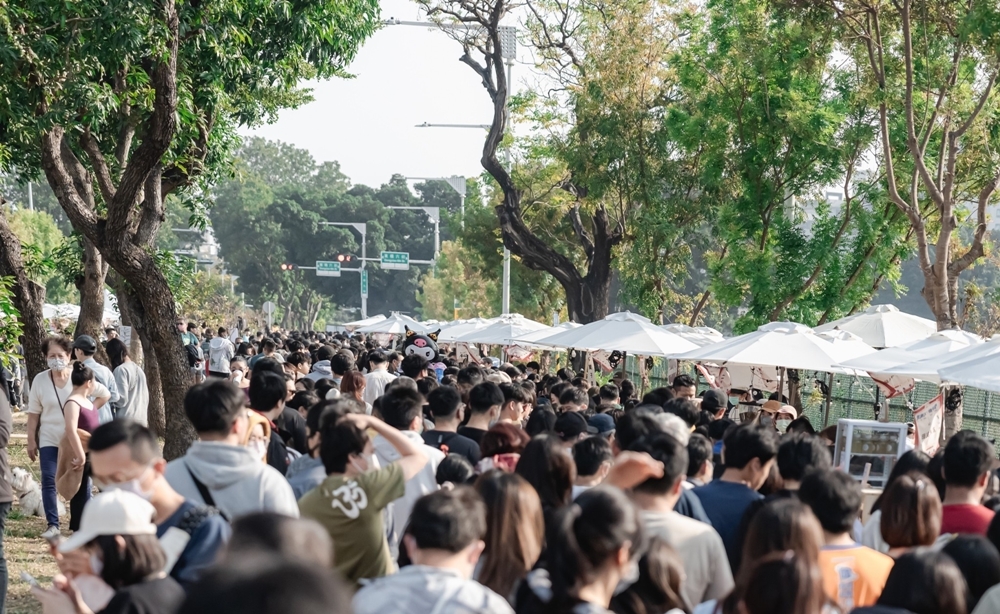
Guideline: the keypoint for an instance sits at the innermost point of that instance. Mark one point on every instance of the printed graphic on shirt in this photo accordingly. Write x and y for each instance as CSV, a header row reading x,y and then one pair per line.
x,y
349,499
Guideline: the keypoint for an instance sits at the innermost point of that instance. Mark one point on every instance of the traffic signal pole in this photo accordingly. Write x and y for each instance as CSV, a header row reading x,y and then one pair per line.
x,y
362,229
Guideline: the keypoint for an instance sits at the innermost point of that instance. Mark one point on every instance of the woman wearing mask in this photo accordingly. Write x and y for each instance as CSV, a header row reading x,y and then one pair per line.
x,y
50,389
117,543
258,435
238,373
79,414
594,546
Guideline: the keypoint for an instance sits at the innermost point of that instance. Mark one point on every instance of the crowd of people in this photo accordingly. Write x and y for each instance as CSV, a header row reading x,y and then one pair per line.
x,y
331,475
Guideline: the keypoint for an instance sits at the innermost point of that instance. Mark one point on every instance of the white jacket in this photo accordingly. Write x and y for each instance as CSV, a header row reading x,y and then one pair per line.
x,y
239,483
220,352
429,590
423,483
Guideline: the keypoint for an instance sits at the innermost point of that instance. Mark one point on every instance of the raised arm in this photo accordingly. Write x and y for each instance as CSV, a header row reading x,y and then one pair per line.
x,y
413,458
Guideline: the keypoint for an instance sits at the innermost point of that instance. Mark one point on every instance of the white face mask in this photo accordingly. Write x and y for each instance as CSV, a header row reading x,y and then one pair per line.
x,y
783,424
96,564
371,463
630,577
258,447
133,486
58,364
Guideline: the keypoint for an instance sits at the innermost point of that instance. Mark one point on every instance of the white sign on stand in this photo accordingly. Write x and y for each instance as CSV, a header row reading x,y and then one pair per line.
x,y
928,420
125,334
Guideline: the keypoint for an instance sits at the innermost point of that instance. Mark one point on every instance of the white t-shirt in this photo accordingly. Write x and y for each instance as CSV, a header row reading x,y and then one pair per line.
x,y
43,400
706,566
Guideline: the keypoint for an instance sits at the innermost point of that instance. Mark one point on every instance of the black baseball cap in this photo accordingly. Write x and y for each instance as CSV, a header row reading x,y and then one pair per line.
x,y
713,400
603,423
571,425
85,343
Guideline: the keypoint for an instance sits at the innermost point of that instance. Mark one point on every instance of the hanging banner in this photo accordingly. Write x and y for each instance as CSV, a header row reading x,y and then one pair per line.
x,y
929,420
893,386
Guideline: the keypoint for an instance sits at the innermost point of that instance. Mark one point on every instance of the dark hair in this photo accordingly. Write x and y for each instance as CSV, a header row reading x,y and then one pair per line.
x,y
834,497
979,562
626,390
64,342
413,365
81,374
319,413
456,469
684,381
911,512
801,425
717,429
303,399
515,529
484,397
699,450
514,392
966,457
666,449
609,392
590,453
573,396
268,345
265,364
584,536
637,423
339,439
325,352
267,585
272,533
213,406
400,406
547,466
427,385
296,358
925,582
542,420
377,357
471,376
779,583
448,520
141,558
798,454
747,442
912,461
117,352
780,525
267,390
444,402
658,589
141,442
308,385
684,409
341,363
503,438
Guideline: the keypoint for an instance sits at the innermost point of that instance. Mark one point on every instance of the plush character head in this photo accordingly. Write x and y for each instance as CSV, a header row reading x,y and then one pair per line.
x,y
424,346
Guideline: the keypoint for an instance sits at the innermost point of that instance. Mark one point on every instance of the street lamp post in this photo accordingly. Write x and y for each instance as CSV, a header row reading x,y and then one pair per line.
x,y
435,214
457,183
362,229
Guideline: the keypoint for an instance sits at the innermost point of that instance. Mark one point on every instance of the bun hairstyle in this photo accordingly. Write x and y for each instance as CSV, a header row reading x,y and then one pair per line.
x,y
81,374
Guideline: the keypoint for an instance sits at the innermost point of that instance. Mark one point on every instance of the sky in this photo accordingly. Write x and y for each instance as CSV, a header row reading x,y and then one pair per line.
x,y
404,76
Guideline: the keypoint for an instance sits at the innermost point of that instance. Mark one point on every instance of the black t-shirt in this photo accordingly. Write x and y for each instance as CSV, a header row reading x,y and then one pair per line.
x,y
292,428
453,443
161,596
474,434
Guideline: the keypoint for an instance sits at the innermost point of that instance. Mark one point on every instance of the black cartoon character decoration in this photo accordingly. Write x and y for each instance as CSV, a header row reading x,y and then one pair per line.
x,y
423,345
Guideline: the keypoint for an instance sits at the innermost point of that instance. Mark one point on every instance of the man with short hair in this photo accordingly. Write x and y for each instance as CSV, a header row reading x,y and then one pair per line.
x,y
609,395
685,387
444,541
340,364
124,455
853,575
415,367
700,466
468,378
402,409
573,399
685,409
485,401
593,458
307,471
715,402
749,452
572,427
447,412
378,377
707,574
188,337
84,348
798,455
968,460
267,349
217,469
516,404
267,394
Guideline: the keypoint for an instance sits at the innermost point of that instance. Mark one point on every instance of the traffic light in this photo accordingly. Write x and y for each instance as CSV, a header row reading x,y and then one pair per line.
x,y
287,266
345,258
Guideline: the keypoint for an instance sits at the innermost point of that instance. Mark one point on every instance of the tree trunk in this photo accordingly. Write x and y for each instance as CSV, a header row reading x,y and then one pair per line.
x,y
91,286
587,300
28,298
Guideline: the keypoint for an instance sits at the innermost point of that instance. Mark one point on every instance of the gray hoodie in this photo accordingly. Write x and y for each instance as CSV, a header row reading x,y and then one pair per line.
x,y
419,588
220,352
239,483
320,370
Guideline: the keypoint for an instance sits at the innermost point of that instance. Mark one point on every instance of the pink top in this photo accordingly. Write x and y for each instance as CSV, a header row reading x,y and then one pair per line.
x,y
89,418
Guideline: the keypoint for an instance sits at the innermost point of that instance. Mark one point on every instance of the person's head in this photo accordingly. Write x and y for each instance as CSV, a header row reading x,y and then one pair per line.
x,y
302,400
798,454
454,469
267,393
967,461
571,427
297,362
402,408
657,589
715,402
911,512
540,421
595,539
268,346
547,466
925,582
834,497
750,449
414,366
124,455
117,531
573,399
979,562
345,448
485,400
378,359
353,385
82,378
320,413
266,584
658,396
217,409
57,351
593,458
270,533
683,408
700,464
673,454
117,351
84,346
341,363
446,529
778,583
516,402
515,529
685,387
305,385
503,438
779,526
445,405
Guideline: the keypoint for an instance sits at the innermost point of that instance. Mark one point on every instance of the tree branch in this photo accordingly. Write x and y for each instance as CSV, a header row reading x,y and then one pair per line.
x,y
585,239
93,149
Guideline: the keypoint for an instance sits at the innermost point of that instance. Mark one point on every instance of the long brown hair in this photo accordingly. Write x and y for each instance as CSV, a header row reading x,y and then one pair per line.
x,y
515,530
353,384
783,524
911,512
779,583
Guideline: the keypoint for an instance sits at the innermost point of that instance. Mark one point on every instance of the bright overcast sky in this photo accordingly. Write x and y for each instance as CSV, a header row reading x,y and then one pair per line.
x,y
404,75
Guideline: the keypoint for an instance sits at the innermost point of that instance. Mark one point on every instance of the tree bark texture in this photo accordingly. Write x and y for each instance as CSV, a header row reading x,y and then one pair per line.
x,y
134,316
28,297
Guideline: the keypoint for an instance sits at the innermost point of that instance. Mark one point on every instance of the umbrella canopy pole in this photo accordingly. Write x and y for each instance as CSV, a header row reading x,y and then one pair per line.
x,y
829,401
781,384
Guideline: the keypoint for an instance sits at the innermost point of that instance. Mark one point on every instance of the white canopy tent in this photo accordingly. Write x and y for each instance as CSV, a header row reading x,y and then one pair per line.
x,y
883,326
529,340
935,345
395,324
451,332
928,368
982,372
351,326
503,330
698,335
625,332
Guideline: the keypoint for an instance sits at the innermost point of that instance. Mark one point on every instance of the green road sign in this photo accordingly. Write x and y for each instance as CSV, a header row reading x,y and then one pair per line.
x,y
396,261
327,268
364,283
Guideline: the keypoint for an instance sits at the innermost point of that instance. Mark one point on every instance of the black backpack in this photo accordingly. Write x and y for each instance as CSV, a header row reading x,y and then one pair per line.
x,y
194,354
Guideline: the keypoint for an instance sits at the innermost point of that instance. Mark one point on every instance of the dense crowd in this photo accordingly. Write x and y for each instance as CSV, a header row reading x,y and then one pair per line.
x,y
331,475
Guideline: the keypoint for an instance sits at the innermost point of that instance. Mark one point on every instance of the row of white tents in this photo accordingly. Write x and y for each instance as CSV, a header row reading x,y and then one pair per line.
x,y
893,347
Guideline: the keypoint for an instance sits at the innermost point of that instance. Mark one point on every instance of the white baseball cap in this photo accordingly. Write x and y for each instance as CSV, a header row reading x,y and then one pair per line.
x,y
112,512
